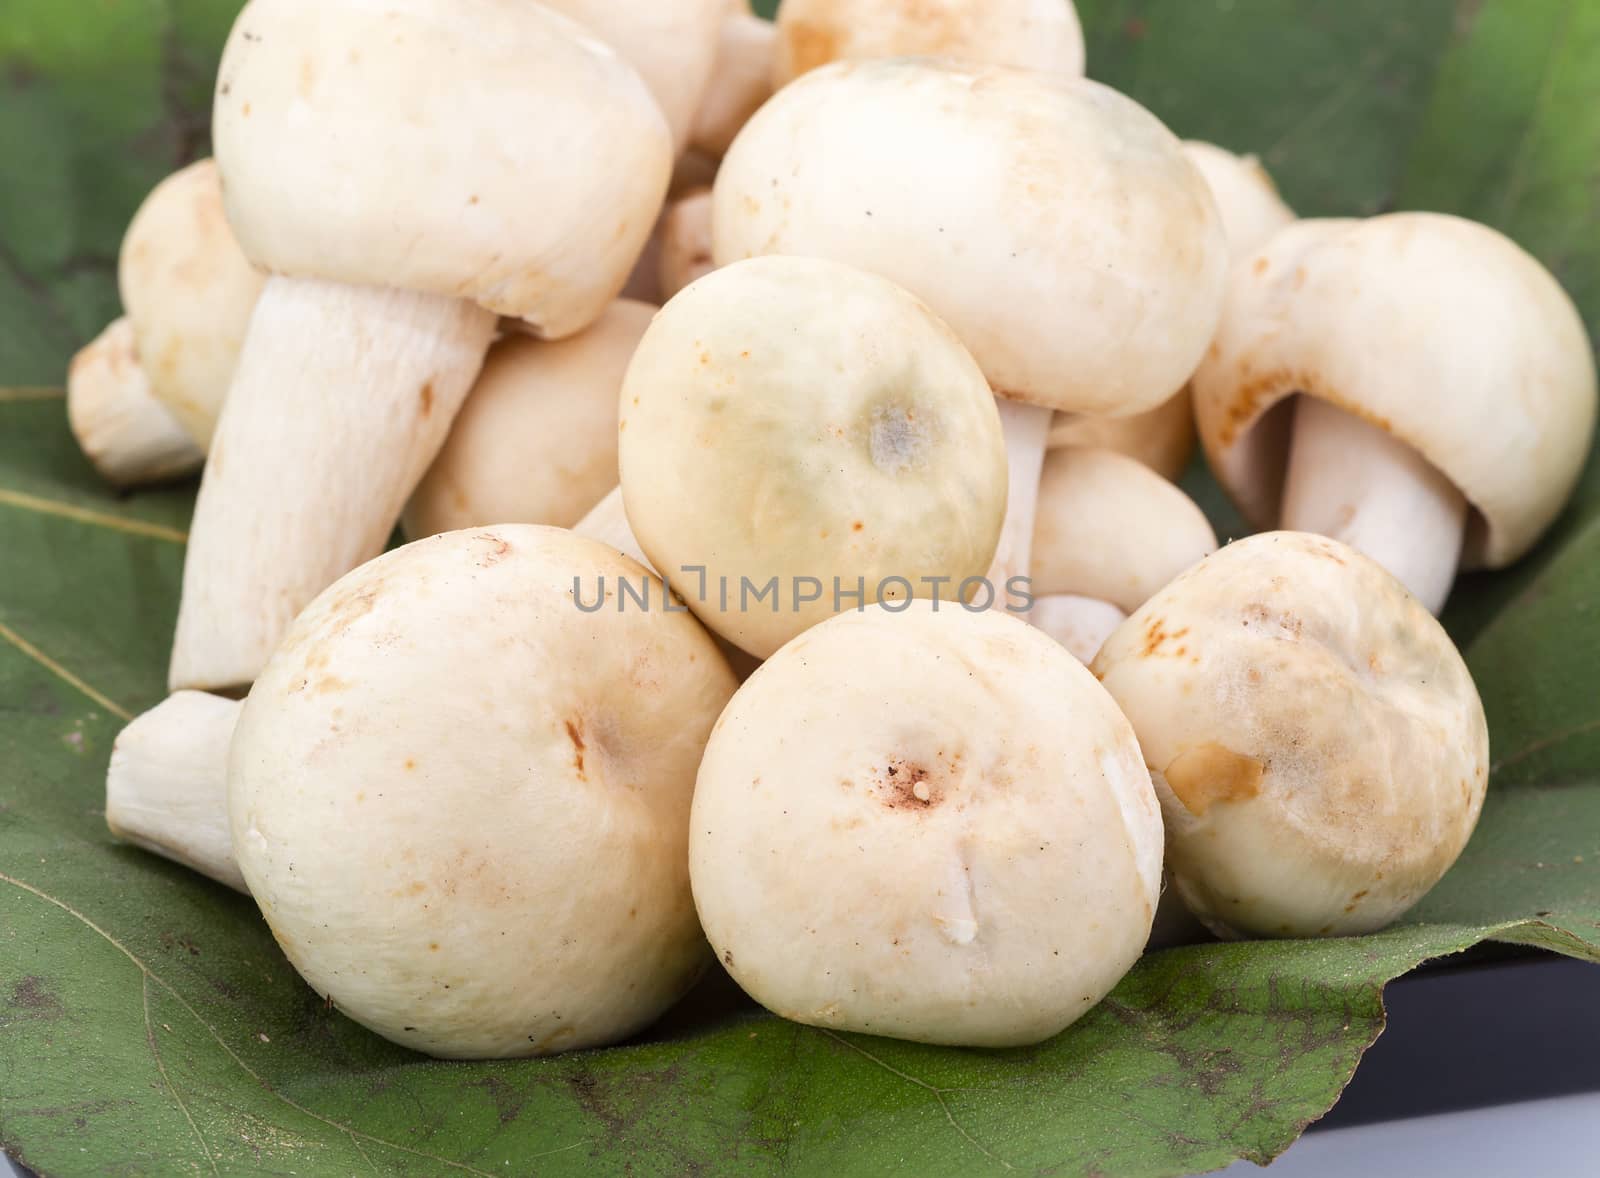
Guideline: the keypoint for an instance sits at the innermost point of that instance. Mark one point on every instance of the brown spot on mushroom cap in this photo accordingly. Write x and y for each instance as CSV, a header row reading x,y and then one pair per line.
x,y
425,395
499,548
1203,776
907,785
575,734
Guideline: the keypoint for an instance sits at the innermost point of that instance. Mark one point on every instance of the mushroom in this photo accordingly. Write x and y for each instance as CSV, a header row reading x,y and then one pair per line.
x,y
932,825
741,79
685,242
167,785
1041,35
390,200
1252,211
797,433
1317,742
189,292
1080,257
608,523
1162,438
672,43
1446,393
1109,533
536,441
130,437
460,793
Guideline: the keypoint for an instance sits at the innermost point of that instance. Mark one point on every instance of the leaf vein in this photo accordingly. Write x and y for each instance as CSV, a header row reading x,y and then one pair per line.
x,y
66,676
84,515
222,1043
155,1052
939,1094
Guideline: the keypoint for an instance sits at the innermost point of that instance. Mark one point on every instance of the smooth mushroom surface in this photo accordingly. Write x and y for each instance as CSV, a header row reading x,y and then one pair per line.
x,y
536,440
1414,384
1317,742
1110,532
795,423
685,242
741,79
1042,35
1162,438
189,292
1081,256
391,202
1252,211
129,437
462,801
931,824
673,44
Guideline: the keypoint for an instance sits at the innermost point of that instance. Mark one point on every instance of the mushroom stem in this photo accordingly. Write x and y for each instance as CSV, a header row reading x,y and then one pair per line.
x,y
342,398
1355,482
131,438
166,789
1027,432
1081,624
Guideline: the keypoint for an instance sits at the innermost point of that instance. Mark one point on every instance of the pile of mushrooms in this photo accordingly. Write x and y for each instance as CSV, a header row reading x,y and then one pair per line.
x,y
824,612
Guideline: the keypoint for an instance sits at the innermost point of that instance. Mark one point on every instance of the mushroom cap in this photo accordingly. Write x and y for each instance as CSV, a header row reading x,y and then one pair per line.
x,y
1041,35
932,825
1252,211
393,144
1439,330
462,802
1109,527
685,242
672,43
789,418
1162,438
1054,224
1317,742
188,290
536,441
741,80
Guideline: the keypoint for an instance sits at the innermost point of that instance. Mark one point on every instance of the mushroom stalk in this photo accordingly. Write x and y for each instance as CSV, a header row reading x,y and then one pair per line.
x,y
167,787
1355,482
1027,433
1081,624
342,398
131,438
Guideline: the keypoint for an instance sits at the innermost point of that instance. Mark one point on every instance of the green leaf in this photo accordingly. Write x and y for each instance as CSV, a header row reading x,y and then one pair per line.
x,y
149,1024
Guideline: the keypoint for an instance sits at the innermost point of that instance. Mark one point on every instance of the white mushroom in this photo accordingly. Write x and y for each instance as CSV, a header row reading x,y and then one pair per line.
x,y
1109,533
130,437
1041,35
1054,224
376,160
794,430
608,523
1446,393
1252,211
685,242
1317,742
672,43
189,292
536,441
741,79
1162,438
167,785
932,825
459,793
